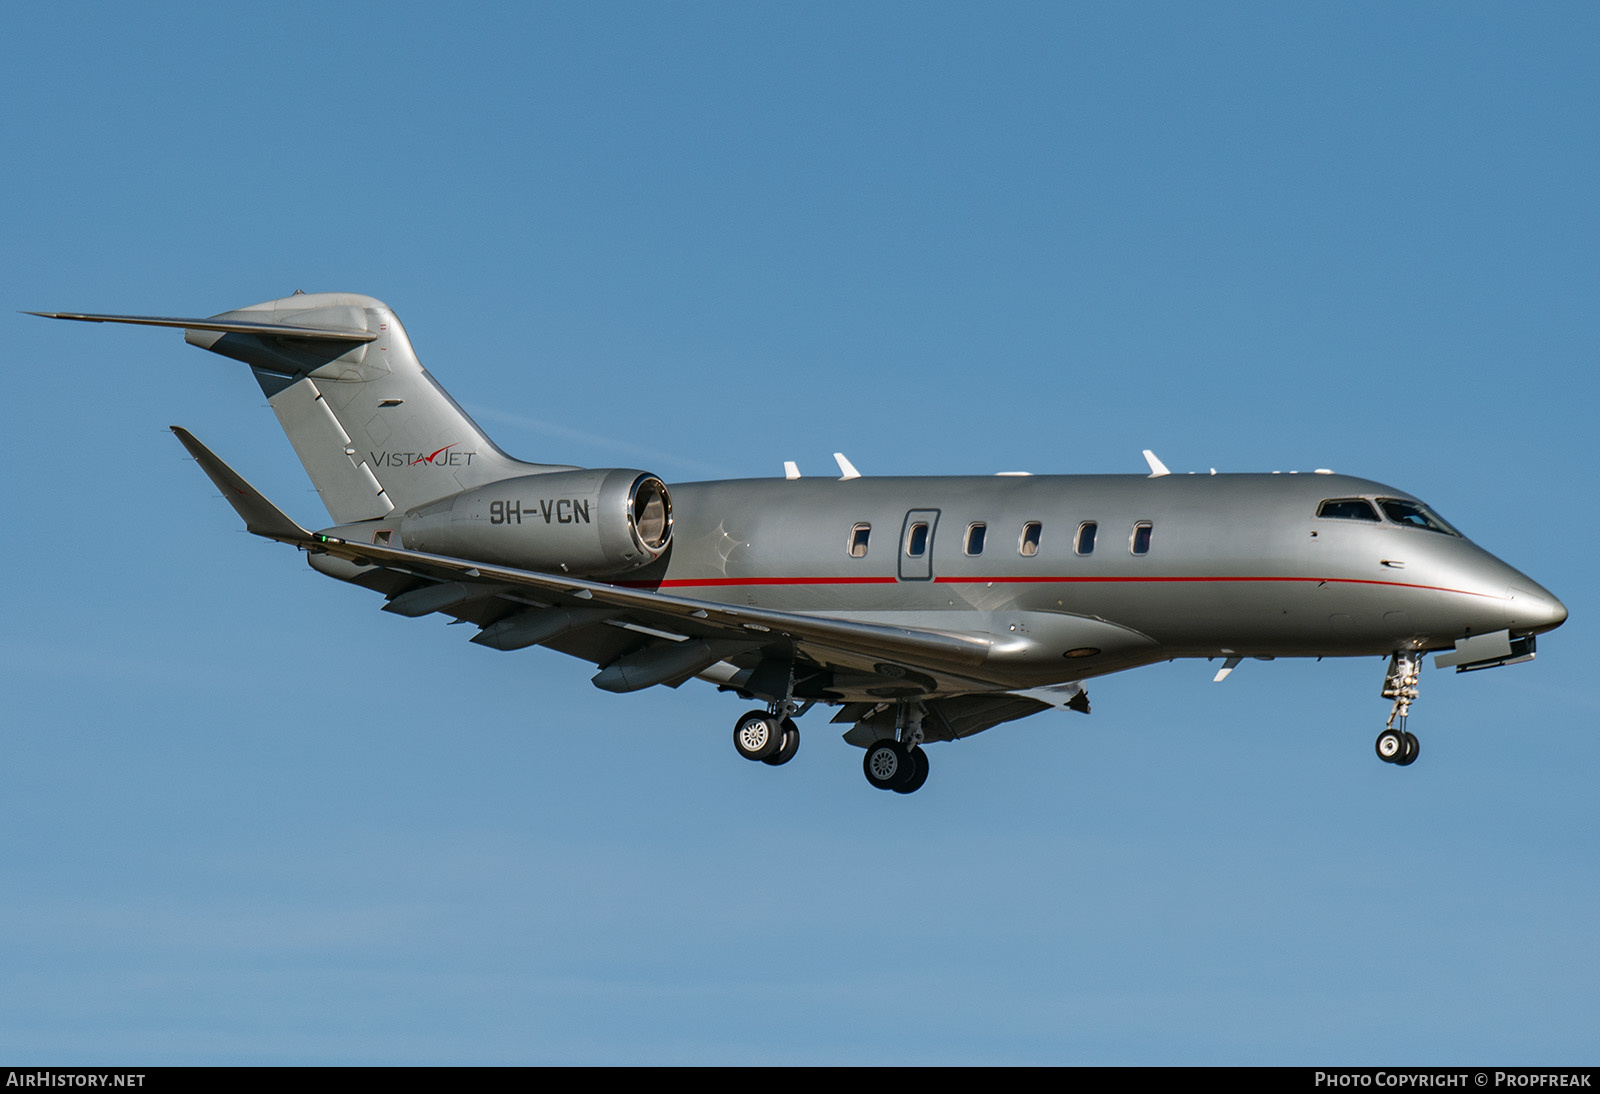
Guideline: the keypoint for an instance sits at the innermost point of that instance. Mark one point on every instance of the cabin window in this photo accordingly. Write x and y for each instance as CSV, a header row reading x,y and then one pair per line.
x,y
975,534
858,540
917,540
1028,546
1139,544
1085,543
1415,515
1348,509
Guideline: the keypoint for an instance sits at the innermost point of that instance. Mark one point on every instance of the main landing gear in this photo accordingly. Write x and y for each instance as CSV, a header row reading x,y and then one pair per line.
x,y
898,763
1394,744
768,736
892,763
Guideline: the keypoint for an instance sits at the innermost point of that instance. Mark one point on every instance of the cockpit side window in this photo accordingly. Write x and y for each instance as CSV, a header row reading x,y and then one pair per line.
x,y
1415,515
1349,509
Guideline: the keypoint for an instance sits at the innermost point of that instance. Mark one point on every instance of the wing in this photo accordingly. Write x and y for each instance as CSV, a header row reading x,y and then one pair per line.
x,y
640,637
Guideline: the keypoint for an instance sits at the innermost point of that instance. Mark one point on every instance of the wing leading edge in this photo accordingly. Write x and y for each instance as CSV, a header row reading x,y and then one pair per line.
x,y
689,635
260,515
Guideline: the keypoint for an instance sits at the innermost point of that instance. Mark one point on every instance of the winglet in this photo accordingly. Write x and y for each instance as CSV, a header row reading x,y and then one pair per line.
x,y
1157,468
260,515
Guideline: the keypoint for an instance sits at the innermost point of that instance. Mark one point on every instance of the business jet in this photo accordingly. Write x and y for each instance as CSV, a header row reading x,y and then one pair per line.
x,y
924,609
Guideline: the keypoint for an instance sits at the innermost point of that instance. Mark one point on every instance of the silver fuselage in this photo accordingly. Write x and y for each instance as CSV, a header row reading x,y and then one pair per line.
x,y
1235,565
897,600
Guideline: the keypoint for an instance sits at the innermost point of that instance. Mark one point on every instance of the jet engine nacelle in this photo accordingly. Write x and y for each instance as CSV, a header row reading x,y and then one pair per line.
x,y
591,523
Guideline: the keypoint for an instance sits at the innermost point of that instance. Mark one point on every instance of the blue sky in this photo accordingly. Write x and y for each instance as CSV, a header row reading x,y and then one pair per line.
x,y
246,817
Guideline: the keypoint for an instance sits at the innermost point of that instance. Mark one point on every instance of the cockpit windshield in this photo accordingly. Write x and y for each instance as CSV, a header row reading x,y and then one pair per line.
x,y
1348,509
1415,515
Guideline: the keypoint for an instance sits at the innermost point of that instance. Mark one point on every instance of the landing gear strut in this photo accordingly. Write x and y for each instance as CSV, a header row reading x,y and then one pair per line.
x,y
770,735
898,763
1394,744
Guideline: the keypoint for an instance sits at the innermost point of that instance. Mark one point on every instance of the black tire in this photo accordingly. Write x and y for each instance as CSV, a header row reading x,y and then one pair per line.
x,y
757,735
1413,750
919,773
1390,746
886,764
791,744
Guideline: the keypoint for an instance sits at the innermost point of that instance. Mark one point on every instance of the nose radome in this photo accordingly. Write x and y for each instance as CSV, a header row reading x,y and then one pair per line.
x,y
1535,609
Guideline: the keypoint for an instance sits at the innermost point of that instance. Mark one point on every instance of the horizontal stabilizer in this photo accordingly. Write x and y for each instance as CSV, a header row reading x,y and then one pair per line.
x,y
229,326
260,515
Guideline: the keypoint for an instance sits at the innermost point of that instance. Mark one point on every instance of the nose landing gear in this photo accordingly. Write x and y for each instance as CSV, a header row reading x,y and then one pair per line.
x,y
1394,744
1397,747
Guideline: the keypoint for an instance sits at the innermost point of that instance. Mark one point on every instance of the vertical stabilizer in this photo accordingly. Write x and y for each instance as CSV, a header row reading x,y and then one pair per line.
x,y
374,431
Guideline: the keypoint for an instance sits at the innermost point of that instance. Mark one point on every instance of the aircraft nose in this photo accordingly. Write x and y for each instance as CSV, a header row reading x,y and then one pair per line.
x,y
1533,608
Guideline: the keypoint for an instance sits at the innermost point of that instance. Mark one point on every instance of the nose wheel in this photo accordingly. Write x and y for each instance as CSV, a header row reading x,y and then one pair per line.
x,y
1394,744
1397,747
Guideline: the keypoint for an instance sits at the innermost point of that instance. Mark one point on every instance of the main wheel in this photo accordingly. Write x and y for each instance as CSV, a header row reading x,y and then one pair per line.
x,y
919,773
1413,750
791,744
1391,746
887,764
757,735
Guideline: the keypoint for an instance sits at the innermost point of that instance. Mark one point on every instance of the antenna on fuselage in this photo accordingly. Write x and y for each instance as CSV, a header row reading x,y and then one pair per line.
x,y
1227,668
791,470
847,470
1157,468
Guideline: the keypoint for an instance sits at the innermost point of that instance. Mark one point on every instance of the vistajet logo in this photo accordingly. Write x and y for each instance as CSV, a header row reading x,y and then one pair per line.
x,y
448,456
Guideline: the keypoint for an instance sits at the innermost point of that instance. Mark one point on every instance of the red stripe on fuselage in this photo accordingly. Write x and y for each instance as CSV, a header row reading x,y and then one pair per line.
x,y
715,582
720,582
1318,580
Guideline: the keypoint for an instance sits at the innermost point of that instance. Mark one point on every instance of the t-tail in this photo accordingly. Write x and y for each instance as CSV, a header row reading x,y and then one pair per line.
x,y
374,431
